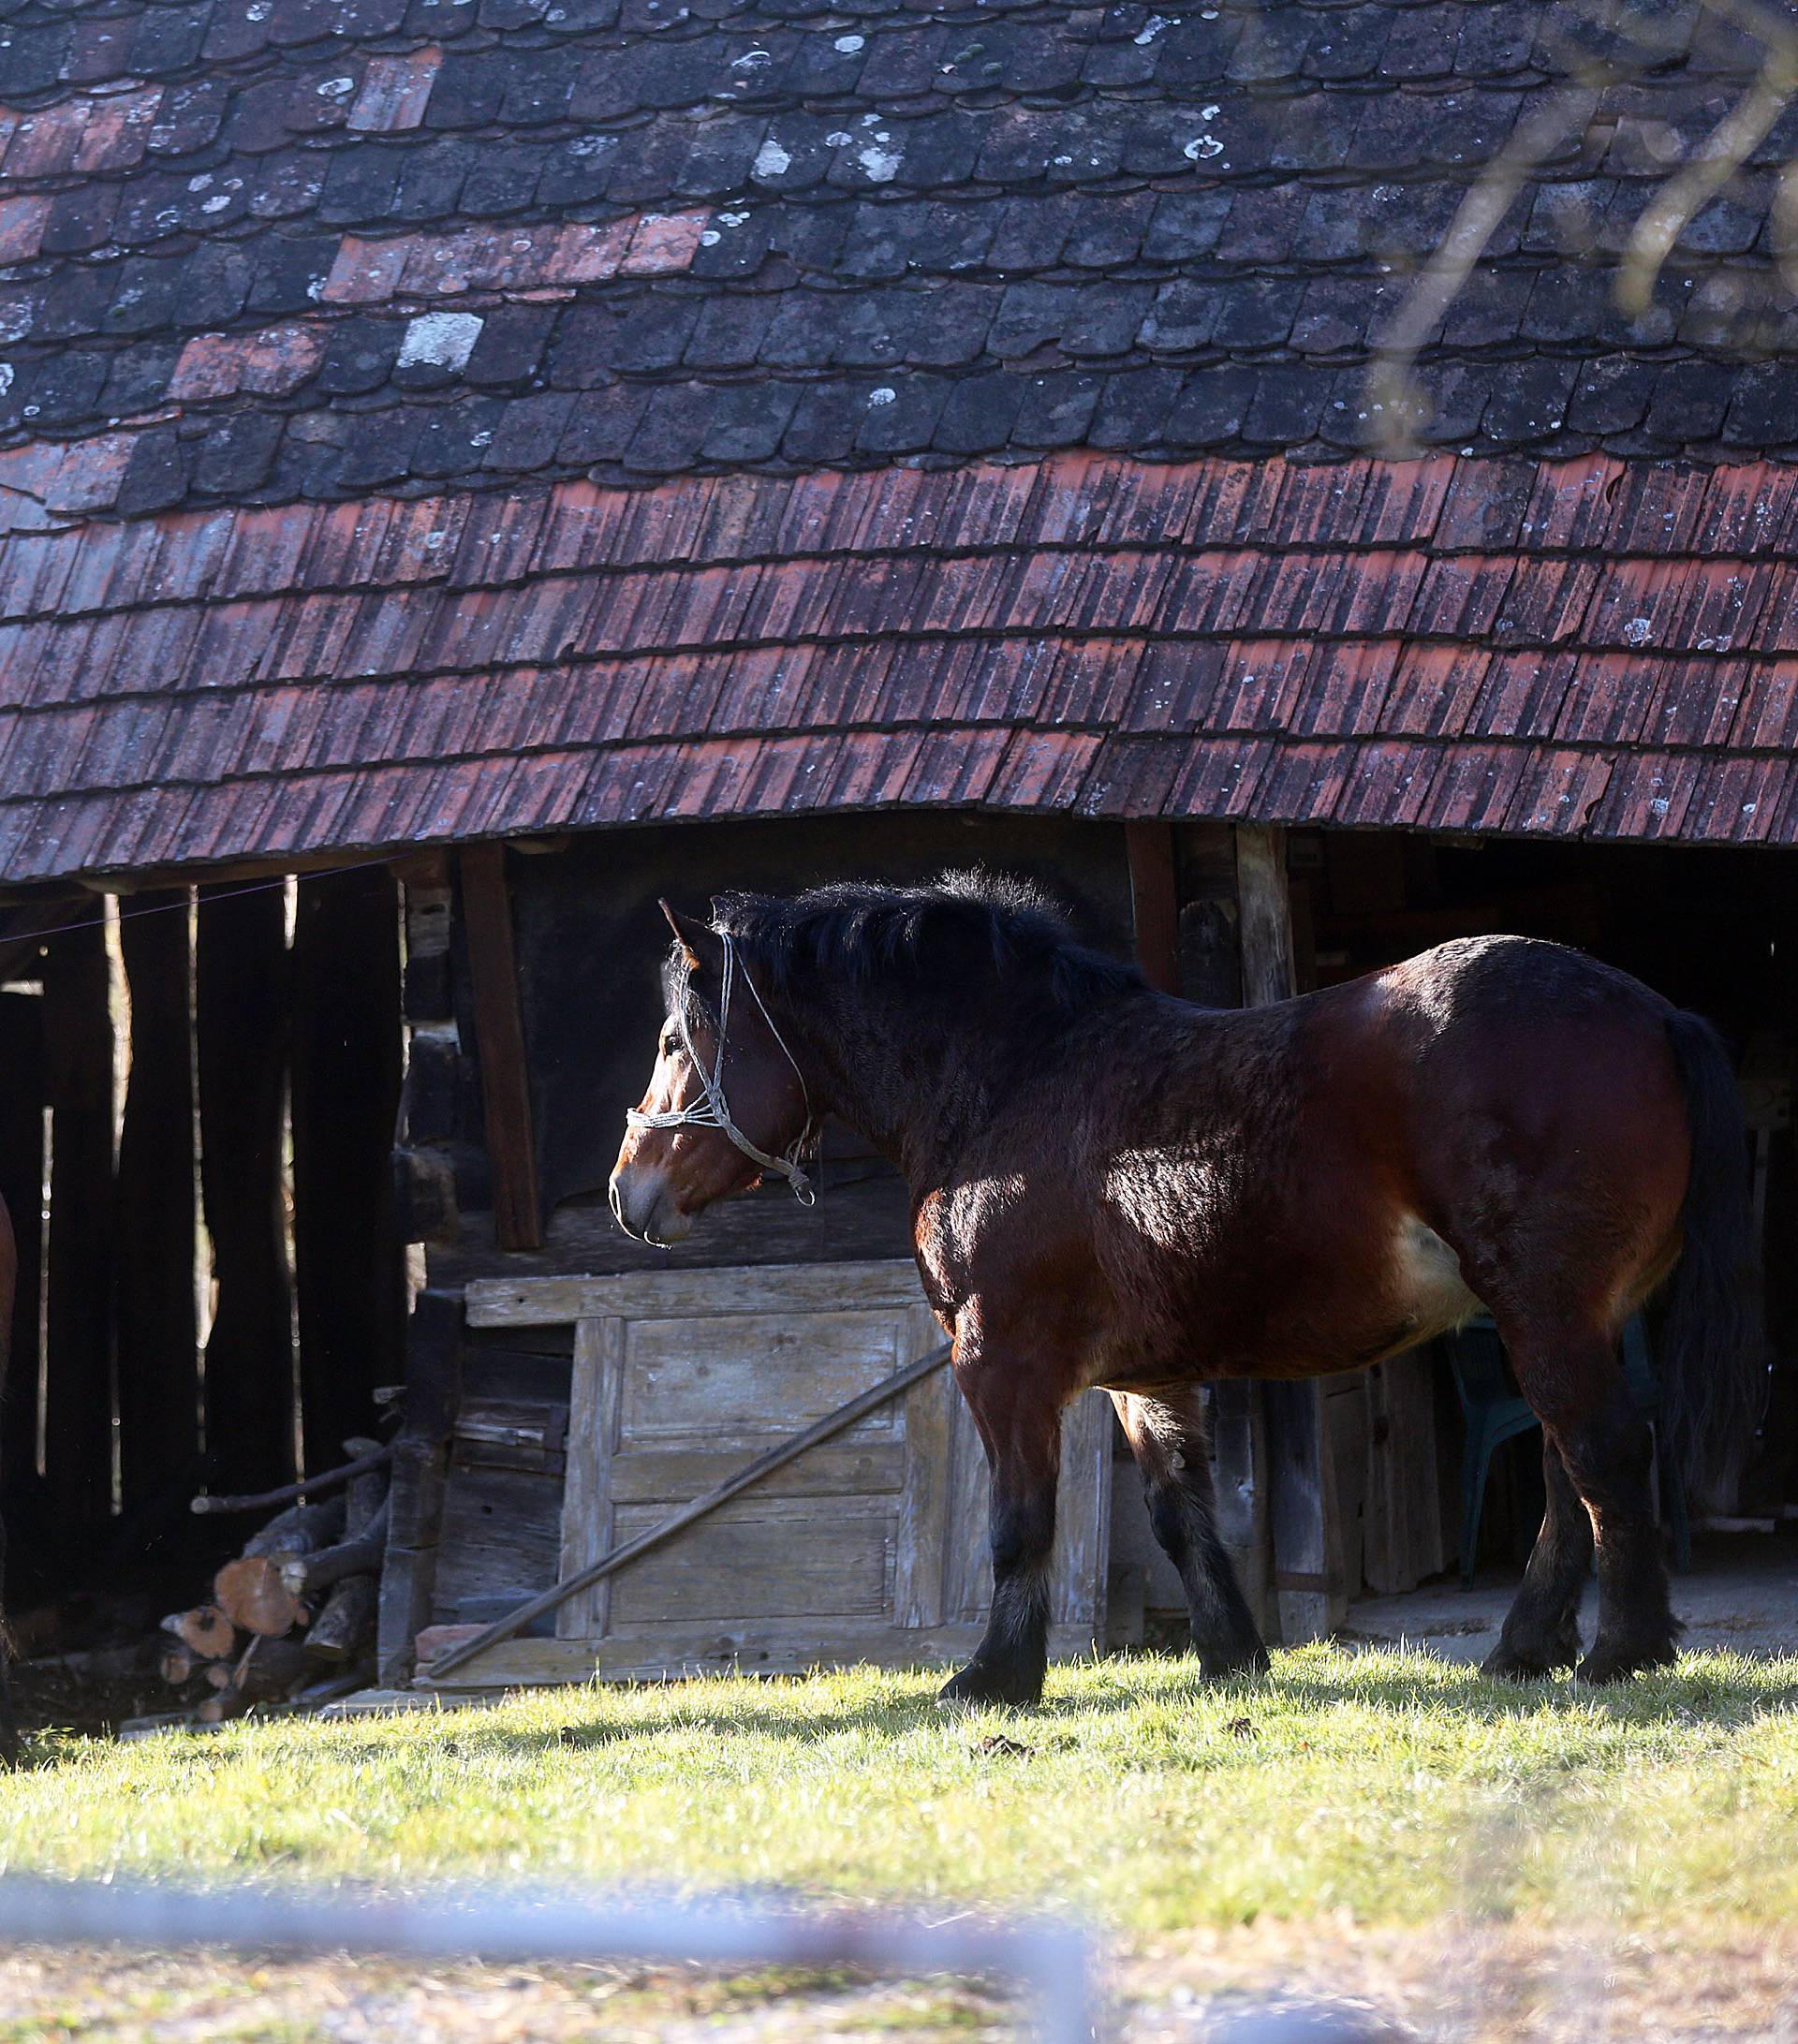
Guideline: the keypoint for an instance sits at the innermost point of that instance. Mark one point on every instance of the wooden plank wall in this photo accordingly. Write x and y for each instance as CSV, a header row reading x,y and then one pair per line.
x,y
117,1397
241,1013
347,1054
504,1062
77,1398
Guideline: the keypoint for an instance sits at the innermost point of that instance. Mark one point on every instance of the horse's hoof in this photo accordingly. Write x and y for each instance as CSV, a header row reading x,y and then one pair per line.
x,y
1233,1664
1617,1664
1505,1664
1510,1661
977,1684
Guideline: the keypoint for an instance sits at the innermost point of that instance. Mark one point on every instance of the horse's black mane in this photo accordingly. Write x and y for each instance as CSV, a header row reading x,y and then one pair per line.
x,y
859,931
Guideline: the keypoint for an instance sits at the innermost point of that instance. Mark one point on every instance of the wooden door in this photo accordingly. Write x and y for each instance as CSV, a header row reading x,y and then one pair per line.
x,y
870,1547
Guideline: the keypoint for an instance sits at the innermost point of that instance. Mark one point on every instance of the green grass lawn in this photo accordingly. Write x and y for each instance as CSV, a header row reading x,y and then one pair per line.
x,y
1391,1788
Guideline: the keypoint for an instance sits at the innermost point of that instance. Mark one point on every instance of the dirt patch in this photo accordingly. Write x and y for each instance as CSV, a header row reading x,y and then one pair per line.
x,y
52,1696
1518,1983
1514,1983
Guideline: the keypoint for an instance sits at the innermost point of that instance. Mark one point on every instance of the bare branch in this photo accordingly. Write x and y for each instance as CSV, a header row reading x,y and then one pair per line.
x,y
1391,391
1665,218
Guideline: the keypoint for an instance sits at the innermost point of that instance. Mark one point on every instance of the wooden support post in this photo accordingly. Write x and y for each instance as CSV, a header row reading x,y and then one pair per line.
x,y
1183,896
158,1356
499,1042
419,1469
1155,901
77,1403
1308,1579
1211,974
21,1183
1239,1470
241,1012
349,1269
1266,923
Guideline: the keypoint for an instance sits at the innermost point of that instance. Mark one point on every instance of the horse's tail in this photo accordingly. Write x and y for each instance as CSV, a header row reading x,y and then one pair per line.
x,y
1715,1380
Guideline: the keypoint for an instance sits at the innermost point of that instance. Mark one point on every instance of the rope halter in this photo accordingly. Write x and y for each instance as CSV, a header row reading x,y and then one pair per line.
x,y
713,1110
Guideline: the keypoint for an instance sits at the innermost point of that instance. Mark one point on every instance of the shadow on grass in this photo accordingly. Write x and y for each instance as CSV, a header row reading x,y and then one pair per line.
x,y
1694,1694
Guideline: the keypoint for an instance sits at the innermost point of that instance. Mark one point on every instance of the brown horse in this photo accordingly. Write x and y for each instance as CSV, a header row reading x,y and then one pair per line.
x,y
1113,1187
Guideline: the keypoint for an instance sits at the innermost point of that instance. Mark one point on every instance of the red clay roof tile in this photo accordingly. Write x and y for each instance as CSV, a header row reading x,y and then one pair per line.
x,y
1474,787
396,90
1557,792
1647,797
1043,770
1386,783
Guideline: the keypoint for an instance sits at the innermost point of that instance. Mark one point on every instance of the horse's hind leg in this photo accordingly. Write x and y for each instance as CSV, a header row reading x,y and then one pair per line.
x,y
1610,1458
1577,1386
1543,1631
1168,1438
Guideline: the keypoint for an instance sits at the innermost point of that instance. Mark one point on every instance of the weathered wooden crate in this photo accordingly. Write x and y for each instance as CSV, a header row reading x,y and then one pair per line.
x,y
869,1547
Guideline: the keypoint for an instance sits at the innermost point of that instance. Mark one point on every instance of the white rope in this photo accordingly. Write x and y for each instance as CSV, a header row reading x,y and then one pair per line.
x,y
713,1110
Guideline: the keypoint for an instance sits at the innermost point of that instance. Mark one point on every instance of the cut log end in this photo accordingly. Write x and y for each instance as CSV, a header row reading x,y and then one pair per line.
x,y
252,1595
177,1665
207,1632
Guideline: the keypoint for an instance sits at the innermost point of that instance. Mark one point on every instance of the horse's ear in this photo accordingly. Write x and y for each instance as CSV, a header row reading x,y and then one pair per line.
x,y
700,943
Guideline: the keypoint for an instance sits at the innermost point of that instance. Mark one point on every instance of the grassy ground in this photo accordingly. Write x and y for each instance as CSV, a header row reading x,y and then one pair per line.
x,y
1381,1795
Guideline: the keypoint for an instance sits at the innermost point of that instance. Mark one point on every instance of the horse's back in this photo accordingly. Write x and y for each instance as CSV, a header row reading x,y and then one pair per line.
x,y
1536,1026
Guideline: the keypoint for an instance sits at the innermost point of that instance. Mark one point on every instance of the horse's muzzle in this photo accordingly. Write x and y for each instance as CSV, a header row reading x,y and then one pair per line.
x,y
643,1204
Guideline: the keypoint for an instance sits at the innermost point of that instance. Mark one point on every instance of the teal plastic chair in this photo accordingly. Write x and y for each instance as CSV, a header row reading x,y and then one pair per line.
x,y
1496,1413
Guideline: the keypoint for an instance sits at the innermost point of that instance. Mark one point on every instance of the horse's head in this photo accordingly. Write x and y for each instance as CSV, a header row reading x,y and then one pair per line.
x,y
726,1100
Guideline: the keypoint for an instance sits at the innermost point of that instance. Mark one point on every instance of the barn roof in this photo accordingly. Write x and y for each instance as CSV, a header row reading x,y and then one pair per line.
x,y
1088,634
310,308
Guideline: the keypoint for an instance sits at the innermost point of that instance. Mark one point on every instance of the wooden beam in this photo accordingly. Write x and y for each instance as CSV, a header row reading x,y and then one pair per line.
x,y
1155,901
675,1295
159,1352
350,1271
499,1038
1310,1590
78,1401
241,1016
419,1469
1265,908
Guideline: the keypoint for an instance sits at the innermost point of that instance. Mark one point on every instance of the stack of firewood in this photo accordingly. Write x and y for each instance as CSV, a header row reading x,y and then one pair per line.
x,y
292,1618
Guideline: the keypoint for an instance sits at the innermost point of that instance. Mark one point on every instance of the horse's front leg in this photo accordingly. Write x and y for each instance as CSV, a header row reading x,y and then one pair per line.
x,y
1019,1417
